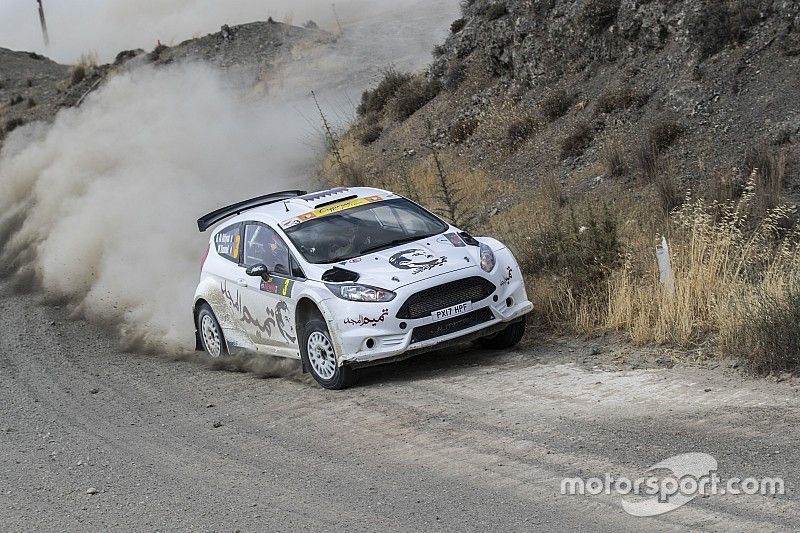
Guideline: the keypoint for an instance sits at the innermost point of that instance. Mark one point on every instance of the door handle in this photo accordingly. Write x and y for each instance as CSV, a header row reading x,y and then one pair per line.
x,y
242,283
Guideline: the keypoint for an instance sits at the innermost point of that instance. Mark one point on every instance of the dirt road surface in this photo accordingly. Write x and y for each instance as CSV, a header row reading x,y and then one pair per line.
x,y
459,441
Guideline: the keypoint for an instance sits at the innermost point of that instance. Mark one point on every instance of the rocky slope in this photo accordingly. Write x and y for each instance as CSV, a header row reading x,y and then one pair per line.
x,y
33,87
582,90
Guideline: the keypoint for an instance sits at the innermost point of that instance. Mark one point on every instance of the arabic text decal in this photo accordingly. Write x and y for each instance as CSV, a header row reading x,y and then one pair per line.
x,y
366,321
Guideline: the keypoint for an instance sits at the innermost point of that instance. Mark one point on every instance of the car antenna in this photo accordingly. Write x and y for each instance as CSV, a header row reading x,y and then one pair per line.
x,y
286,205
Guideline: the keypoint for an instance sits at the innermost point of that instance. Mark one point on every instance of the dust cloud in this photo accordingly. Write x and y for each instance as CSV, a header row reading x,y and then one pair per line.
x,y
99,207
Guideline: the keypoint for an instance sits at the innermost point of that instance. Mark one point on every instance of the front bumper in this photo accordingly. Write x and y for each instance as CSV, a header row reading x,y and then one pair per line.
x,y
365,333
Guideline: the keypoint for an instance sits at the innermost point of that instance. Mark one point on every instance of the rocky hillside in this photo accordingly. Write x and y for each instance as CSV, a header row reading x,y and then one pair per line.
x,y
33,87
683,94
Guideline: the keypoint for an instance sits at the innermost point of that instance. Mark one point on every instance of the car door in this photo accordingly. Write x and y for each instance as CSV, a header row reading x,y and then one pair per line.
x,y
268,305
227,272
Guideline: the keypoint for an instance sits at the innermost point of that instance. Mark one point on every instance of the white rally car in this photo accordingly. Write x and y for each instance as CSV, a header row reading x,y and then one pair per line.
x,y
349,277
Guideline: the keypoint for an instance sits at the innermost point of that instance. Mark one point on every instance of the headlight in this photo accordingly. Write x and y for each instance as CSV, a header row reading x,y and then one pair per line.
x,y
360,293
487,258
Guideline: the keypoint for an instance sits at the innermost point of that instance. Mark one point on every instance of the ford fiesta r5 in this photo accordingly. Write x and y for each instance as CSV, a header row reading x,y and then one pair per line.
x,y
349,277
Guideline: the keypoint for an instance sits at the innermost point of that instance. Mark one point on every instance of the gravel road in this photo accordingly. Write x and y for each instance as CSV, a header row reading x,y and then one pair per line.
x,y
464,441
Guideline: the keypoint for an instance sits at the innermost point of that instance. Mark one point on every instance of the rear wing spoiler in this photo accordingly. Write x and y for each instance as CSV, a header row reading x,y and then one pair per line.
x,y
206,221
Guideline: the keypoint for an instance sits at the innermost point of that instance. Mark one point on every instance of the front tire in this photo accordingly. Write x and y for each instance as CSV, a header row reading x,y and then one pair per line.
x,y
319,357
211,337
504,339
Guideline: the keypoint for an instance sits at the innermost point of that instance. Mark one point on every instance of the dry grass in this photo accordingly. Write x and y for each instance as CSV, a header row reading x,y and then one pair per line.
x,y
612,157
716,259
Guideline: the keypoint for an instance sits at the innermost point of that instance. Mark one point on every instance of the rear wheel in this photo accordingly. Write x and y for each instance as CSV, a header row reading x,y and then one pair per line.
x,y
506,338
210,332
319,357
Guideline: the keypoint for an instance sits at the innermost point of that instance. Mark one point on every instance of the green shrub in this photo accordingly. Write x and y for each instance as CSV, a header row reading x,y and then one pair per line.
x,y
412,96
375,100
584,255
766,328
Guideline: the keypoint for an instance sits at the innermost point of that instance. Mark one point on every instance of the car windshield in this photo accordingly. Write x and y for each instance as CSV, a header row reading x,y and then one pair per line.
x,y
364,229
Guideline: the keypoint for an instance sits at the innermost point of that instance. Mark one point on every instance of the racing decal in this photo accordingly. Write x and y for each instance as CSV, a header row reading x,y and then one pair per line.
x,y
227,242
366,321
278,318
453,239
330,209
285,322
507,279
276,285
322,194
416,260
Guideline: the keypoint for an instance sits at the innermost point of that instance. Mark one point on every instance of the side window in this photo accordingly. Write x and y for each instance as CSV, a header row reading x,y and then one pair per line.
x,y
263,245
227,242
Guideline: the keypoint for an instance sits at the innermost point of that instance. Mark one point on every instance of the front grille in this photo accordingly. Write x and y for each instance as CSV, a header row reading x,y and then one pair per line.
x,y
451,325
425,302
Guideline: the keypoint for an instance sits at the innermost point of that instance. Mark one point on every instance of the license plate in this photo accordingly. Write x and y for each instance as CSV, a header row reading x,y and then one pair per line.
x,y
455,310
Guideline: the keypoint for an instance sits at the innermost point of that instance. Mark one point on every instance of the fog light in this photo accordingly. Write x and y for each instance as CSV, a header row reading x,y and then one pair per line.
x,y
495,298
403,325
509,301
370,343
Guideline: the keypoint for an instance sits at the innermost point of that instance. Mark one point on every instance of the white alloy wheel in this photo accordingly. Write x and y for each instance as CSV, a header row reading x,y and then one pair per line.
x,y
321,355
211,337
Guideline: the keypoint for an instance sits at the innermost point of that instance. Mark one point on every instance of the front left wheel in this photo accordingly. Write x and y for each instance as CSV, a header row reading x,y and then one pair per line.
x,y
319,357
211,336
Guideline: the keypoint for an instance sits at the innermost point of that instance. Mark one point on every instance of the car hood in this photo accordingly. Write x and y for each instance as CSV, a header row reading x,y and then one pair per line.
x,y
412,262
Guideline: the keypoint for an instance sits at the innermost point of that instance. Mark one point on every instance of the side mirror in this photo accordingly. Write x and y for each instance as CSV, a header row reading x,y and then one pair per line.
x,y
258,270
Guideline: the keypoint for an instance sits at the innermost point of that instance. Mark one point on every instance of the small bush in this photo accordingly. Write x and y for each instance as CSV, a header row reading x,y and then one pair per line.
x,y
599,15
155,55
456,74
520,130
463,130
667,188
767,168
375,100
78,75
458,25
612,157
495,11
720,24
439,50
16,100
764,327
13,124
412,96
370,134
555,104
577,142
31,103
584,255
664,132
621,98
647,160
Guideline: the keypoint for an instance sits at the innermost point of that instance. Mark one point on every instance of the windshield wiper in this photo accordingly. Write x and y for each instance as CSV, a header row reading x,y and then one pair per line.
x,y
395,242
